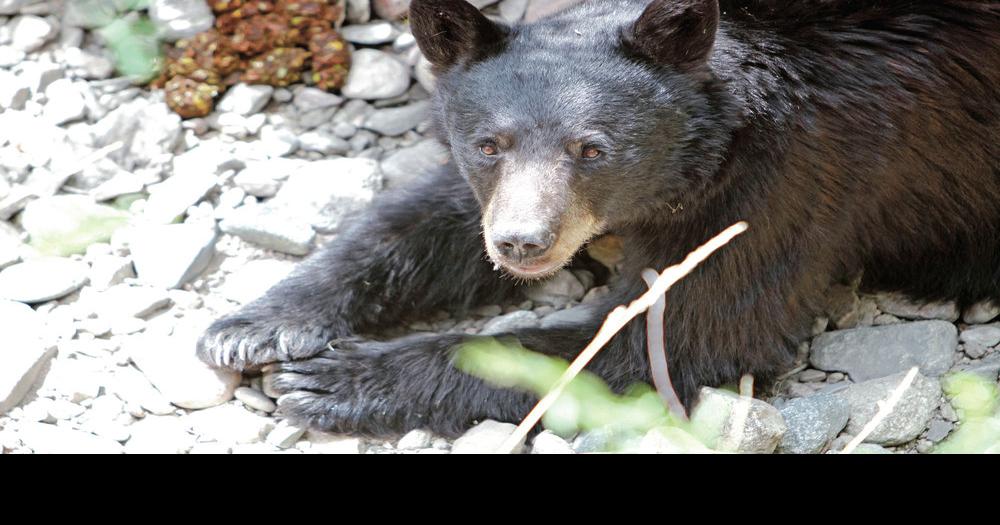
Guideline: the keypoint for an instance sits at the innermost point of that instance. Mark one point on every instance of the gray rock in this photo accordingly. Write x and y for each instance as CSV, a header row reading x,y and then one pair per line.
x,y
728,422
13,92
255,399
322,443
325,192
376,75
41,280
510,323
988,368
324,142
272,228
10,57
310,99
484,438
12,7
359,11
285,435
410,163
559,290
396,121
569,317
903,308
109,270
938,430
909,418
254,278
869,353
245,99
50,439
549,443
981,313
177,19
812,423
985,336
373,34
171,199
147,128
391,9
23,354
415,439
30,33
125,301
512,11
169,256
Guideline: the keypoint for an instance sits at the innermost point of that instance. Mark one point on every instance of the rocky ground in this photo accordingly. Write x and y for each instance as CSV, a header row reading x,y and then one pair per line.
x,y
96,350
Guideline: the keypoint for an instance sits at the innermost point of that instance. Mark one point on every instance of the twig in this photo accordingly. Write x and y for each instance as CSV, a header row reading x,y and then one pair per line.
x,y
885,408
656,349
615,321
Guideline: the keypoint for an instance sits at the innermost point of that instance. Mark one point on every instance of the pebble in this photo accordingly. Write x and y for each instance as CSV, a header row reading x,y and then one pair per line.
x,y
177,19
308,99
43,279
159,435
67,224
414,440
728,422
284,435
485,438
245,100
511,322
376,75
323,443
51,439
984,336
66,102
396,121
373,34
169,256
230,424
874,352
23,354
903,308
981,313
29,33
558,291
255,399
408,164
548,443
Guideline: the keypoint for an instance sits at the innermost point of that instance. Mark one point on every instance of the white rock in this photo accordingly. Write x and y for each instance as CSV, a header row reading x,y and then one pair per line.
x,y
326,191
13,91
979,313
133,387
159,435
170,364
372,34
255,278
323,443
415,439
255,399
272,228
485,438
285,435
29,33
178,19
171,255
66,102
310,99
23,353
230,424
728,422
109,270
171,199
50,439
124,300
41,280
985,336
376,75
549,443
245,99
510,322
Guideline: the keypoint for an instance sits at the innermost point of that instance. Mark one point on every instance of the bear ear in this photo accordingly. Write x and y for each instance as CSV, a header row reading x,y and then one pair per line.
x,y
679,33
452,31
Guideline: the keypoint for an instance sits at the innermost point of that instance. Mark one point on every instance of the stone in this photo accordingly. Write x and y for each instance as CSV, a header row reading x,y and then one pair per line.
x,y
512,11
67,224
485,438
813,422
324,142
255,399
903,308
308,99
415,439
874,352
159,435
559,290
373,34
170,364
728,422
408,164
323,443
108,270
327,191
939,430
50,439
979,313
124,300
13,93
271,228
23,355
511,322
907,420
376,75
285,435
396,121
41,280
66,102
169,256
986,336
549,443
263,178
170,200
359,11
244,99
391,9
667,440
177,19
230,424
30,33
254,278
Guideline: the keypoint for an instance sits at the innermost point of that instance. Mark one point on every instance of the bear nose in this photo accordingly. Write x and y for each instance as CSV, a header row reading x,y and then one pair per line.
x,y
523,244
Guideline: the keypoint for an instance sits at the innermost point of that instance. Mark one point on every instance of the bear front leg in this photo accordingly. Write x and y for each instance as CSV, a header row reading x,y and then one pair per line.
x,y
415,251
389,388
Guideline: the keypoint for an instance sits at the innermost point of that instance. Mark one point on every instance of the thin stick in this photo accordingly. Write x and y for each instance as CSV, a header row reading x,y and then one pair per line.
x,y
884,409
656,349
615,321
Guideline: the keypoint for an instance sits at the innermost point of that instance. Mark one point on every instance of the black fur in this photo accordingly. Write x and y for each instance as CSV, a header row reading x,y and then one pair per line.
x,y
852,135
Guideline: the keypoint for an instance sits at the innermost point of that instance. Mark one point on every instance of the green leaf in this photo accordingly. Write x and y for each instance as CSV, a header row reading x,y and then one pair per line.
x,y
135,47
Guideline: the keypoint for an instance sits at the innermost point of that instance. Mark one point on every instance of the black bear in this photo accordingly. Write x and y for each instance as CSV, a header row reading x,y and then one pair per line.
x,y
852,135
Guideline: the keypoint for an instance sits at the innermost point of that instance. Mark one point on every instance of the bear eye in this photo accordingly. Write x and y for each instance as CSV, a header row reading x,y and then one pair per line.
x,y
488,149
591,152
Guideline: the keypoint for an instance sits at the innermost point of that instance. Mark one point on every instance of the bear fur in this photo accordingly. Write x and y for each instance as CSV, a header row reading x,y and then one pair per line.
x,y
852,135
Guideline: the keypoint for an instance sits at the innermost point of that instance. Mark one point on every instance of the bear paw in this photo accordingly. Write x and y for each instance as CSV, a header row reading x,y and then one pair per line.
x,y
243,343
